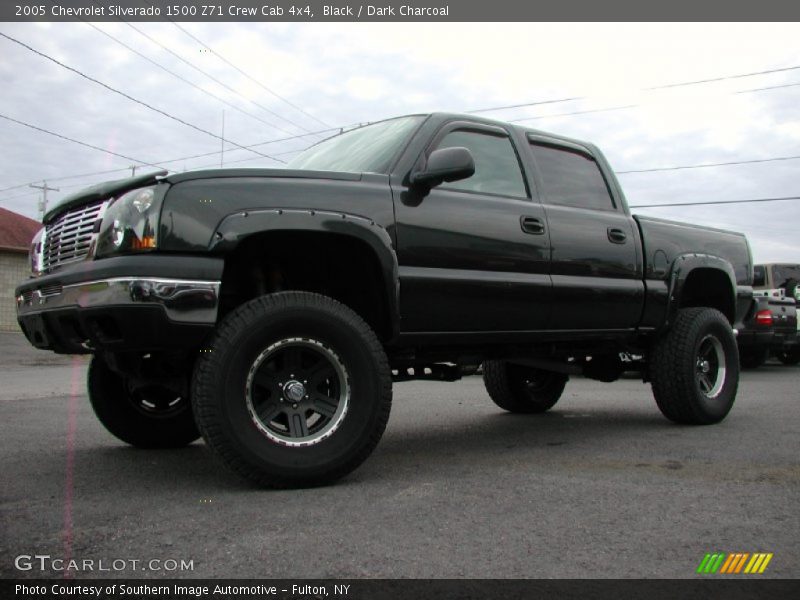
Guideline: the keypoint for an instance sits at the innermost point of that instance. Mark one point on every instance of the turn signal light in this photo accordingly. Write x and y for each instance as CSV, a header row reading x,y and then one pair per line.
x,y
764,317
149,241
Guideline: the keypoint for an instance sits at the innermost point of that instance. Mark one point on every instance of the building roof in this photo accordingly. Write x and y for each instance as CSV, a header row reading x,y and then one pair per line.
x,y
16,230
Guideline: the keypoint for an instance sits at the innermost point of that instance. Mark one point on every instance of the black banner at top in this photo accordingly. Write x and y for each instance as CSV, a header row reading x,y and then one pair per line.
x,y
394,10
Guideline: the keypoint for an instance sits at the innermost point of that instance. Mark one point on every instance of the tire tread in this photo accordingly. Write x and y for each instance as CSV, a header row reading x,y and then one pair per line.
x,y
208,365
669,382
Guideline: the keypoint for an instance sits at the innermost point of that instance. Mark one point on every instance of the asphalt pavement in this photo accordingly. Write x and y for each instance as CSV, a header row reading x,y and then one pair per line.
x,y
601,486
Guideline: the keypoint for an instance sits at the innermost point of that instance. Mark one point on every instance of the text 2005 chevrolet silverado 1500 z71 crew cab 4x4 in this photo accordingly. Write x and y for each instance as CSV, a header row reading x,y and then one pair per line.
x,y
270,309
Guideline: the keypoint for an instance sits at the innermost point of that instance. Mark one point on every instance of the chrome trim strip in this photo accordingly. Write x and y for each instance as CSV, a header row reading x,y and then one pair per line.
x,y
184,300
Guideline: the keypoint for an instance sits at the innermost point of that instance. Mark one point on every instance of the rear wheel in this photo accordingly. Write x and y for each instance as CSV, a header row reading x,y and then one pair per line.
x,y
520,389
147,415
694,368
294,390
789,357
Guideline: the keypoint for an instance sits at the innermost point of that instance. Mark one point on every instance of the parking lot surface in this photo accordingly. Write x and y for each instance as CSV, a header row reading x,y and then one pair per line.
x,y
601,486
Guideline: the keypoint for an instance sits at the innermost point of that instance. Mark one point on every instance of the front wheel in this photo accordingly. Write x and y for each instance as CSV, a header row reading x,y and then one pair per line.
x,y
694,368
520,389
146,415
294,390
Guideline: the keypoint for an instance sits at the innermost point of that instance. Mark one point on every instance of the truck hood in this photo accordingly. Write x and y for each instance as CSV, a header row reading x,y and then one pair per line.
x,y
101,191
278,173
120,186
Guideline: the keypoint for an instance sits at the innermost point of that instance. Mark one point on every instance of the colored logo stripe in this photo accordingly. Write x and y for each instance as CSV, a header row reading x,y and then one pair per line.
x,y
711,562
758,563
734,563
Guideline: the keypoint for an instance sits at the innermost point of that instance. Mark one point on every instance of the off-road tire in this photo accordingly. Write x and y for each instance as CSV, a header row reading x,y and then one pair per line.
x,y
521,389
789,357
677,375
133,417
753,357
223,399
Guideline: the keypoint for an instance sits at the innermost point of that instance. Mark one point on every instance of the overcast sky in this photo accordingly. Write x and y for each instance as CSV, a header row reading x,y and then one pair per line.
x,y
358,72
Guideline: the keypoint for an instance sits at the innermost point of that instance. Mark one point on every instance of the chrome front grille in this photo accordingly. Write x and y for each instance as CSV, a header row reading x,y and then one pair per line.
x,y
69,238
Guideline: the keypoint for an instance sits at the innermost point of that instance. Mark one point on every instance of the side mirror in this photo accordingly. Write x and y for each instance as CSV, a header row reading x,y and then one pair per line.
x,y
445,164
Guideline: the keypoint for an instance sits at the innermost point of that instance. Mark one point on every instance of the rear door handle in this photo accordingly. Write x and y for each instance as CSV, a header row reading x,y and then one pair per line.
x,y
531,225
616,236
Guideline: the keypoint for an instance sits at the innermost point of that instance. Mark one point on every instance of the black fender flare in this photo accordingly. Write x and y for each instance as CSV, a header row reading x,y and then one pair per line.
x,y
683,266
238,226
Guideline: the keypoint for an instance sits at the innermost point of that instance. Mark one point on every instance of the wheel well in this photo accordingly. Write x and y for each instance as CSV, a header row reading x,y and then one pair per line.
x,y
709,287
338,266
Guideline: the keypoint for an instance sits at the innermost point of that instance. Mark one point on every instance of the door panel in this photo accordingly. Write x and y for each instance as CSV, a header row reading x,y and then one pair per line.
x,y
467,265
596,283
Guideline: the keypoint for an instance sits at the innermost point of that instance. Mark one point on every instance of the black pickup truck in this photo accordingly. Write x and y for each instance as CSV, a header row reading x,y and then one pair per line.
x,y
270,310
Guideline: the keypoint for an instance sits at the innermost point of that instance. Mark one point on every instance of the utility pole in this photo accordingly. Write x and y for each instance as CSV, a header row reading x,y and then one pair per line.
x,y
43,202
133,170
222,140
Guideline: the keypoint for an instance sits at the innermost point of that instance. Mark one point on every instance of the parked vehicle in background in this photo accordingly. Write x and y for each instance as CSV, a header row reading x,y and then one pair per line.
x,y
770,328
270,310
778,280
773,276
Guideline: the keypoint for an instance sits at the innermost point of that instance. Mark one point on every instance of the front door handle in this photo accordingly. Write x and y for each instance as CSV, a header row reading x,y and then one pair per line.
x,y
616,236
531,225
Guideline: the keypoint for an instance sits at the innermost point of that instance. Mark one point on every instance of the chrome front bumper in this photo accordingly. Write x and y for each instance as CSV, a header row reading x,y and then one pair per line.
x,y
184,301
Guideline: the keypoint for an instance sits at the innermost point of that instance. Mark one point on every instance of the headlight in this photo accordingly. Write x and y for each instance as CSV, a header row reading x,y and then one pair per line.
x,y
130,223
35,252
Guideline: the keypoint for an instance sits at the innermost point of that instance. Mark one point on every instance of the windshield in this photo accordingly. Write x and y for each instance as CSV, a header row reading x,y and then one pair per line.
x,y
367,149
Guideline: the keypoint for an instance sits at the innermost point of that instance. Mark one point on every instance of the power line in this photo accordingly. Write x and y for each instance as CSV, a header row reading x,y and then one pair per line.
x,y
163,162
705,165
333,129
128,96
252,158
659,87
180,77
217,81
26,184
106,172
250,77
579,112
69,139
752,200
19,196
556,101
725,78
63,187
771,87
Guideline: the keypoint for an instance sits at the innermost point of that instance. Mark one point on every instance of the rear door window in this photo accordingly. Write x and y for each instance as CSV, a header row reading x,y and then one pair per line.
x,y
571,178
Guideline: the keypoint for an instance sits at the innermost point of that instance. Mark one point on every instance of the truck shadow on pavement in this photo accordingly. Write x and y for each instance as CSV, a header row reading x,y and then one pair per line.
x,y
408,451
